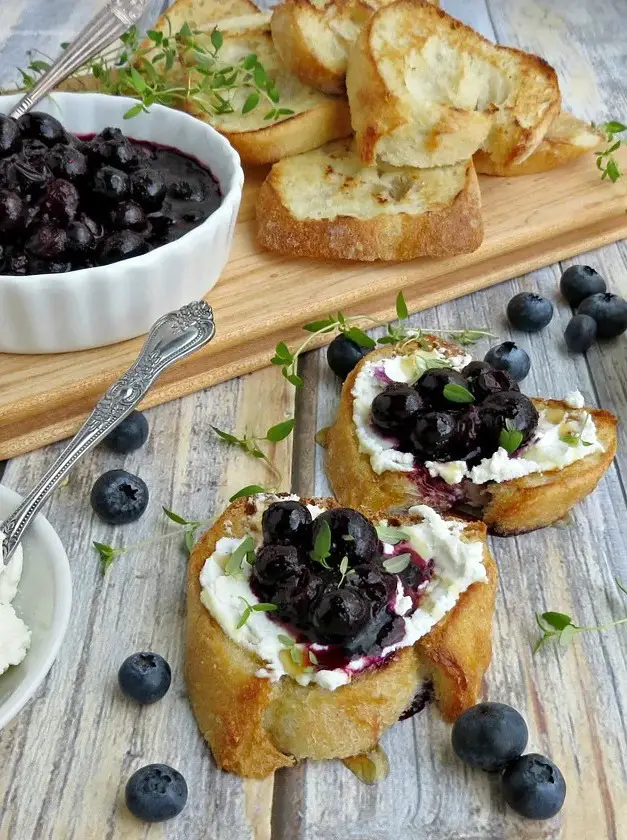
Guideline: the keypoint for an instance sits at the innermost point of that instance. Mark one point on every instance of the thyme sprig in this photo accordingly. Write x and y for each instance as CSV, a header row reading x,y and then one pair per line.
x,y
250,444
606,162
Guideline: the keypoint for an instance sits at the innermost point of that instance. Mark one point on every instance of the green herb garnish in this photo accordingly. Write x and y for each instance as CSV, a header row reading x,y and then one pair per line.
x,y
244,551
322,545
250,609
510,437
250,445
574,439
390,535
457,393
561,628
606,162
397,564
344,570
249,490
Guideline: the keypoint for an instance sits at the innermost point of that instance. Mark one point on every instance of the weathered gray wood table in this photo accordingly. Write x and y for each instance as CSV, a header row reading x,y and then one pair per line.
x,y
65,760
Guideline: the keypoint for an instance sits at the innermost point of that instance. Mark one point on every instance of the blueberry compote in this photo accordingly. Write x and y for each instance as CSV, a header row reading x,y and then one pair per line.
x,y
69,203
448,415
346,608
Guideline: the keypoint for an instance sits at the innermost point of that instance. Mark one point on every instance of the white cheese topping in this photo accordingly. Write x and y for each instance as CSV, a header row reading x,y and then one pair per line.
x,y
15,636
370,381
456,566
574,399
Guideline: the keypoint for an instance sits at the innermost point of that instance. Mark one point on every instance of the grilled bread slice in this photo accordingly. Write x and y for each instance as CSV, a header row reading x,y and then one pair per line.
x,y
313,37
255,726
325,205
566,140
426,90
204,14
508,508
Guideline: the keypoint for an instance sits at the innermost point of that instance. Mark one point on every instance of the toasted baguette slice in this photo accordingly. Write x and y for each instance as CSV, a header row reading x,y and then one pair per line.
x,y
508,508
313,37
315,119
255,726
567,139
203,14
324,205
425,90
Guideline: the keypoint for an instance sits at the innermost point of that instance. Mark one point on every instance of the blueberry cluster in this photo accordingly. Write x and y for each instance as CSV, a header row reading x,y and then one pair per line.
x,y
349,608
451,416
68,203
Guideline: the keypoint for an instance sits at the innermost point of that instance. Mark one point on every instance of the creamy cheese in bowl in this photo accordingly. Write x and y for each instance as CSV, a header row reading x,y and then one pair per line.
x,y
454,566
15,636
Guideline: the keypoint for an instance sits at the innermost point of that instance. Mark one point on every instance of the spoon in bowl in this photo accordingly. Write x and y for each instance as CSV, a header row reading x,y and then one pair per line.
x,y
173,337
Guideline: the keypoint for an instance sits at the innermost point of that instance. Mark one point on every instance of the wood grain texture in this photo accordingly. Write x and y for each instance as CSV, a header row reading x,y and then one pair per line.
x,y
64,761
263,297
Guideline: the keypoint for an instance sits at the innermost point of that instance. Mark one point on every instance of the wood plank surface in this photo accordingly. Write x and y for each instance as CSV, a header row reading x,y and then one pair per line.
x,y
64,761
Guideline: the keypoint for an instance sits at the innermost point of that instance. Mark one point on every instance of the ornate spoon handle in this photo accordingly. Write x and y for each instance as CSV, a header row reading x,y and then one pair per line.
x,y
173,337
110,22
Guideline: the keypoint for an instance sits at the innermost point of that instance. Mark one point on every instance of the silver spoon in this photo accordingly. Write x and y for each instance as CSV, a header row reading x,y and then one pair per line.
x,y
172,338
103,29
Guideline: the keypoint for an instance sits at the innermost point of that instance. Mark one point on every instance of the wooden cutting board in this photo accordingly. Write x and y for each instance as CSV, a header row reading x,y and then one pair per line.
x,y
264,298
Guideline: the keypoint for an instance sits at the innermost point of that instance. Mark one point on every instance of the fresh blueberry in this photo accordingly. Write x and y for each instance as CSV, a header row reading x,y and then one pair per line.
x,y
431,387
156,793
580,333
489,735
608,310
287,523
340,614
119,497
579,282
129,435
145,677
352,535
534,787
529,312
394,410
343,354
508,356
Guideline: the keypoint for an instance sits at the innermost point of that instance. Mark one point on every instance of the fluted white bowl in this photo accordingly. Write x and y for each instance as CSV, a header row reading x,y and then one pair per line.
x,y
93,307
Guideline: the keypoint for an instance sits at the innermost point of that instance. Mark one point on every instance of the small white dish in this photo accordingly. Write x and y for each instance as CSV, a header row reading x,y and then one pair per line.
x,y
43,600
93,307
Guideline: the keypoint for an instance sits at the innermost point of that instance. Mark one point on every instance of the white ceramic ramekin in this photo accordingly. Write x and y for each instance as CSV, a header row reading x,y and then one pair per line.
x,y
54,313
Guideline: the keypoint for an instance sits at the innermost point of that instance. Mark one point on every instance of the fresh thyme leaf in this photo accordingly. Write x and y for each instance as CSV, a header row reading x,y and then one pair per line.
x,y
245,616
466,337
312,657
217,40
510,439
252,100
360,337
280,431
323,324
249,490
606,162
401,307
431,364
343,569
296,654
229,438
107,554
322,544
264,607
390,535
234,563
286,640
190,539
175,517
567,635
614,127
133,112
571,438
397,564
556,620
457,393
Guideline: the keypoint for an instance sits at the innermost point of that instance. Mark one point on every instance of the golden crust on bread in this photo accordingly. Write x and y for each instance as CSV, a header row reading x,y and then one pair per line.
x,y
254,726
510,507
324,205
567,139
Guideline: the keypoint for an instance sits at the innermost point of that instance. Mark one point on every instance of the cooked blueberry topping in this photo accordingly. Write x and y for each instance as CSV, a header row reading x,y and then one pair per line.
x,y
122,246
145,677
343,355
119,497
491,382
42,127
352,536
509,406
129,435
80,239
529,312
473,369
148,189
608,310
469,434
340,614
508,356
433,435
11,211
394,410
287,523
47,241
489,735
10,137
580,333
156,793
423,696
67,162
534,787
60,201
129,215
110,183
275,564
431,387
579,282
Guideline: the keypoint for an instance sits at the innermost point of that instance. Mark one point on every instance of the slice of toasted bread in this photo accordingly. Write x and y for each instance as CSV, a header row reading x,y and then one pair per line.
x,y
203,14
567,139
325,205
425,90
255,726
313,37
510,507
316,118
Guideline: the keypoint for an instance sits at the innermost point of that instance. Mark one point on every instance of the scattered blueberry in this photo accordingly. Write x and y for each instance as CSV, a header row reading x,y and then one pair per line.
x,y
529,312
145,677
508,356
579,282
489,735
119,497
580,333
129,435
343,354
608,310
156,793
534,787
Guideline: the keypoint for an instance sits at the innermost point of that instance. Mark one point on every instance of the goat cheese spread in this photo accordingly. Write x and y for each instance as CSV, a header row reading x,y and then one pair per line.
x,y
15,636
456,566
556,444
